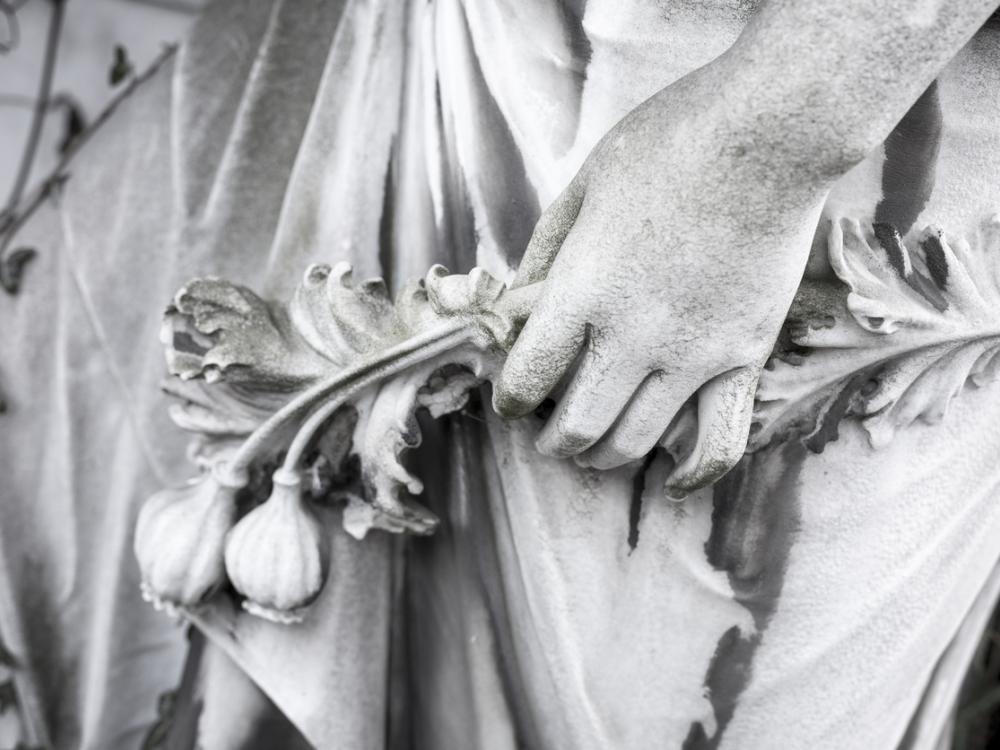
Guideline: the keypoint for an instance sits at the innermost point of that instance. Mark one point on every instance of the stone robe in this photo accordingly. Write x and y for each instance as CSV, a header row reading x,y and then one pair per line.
x,y
804,601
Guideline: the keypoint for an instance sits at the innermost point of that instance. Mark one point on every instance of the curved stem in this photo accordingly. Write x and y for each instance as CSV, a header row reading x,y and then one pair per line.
x,y
315,420
515,304
412,351
324,412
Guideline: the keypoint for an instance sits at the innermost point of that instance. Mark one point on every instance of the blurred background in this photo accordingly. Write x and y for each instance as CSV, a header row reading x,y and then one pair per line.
x,y
98,46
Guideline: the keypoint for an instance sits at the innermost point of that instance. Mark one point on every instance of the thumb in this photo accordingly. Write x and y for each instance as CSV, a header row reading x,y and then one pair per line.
x,y
725,410
549,234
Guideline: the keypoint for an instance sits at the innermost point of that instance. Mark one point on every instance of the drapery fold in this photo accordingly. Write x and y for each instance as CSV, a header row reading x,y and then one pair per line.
x,y
558,607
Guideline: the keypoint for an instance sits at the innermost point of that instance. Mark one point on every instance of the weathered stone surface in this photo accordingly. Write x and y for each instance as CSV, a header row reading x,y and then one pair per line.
x,y
556,605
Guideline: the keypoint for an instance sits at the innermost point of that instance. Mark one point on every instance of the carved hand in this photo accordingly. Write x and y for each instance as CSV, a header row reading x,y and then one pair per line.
x,y
673,256
671,261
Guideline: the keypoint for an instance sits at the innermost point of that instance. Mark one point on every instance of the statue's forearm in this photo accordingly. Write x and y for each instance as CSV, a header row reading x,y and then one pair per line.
x,y
822,83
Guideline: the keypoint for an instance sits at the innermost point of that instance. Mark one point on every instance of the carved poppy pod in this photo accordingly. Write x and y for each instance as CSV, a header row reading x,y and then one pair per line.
x,y
277,556
180,537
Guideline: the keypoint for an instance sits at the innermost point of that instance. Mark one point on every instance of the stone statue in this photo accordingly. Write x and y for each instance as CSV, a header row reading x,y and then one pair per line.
x,y
715,459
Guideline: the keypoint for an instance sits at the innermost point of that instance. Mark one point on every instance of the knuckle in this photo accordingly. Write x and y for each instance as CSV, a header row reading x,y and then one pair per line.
x,y
626,448
572,438
605,460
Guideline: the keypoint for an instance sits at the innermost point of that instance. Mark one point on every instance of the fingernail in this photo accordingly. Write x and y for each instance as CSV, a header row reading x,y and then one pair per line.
x,y
675,493
507,405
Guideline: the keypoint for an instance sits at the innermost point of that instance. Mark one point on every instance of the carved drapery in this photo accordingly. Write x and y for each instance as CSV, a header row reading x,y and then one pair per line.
x,y
314,401
233,237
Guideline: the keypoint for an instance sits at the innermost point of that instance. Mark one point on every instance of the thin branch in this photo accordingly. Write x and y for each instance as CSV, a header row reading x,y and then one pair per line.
x,y
13,260
9,11
41,105
16,217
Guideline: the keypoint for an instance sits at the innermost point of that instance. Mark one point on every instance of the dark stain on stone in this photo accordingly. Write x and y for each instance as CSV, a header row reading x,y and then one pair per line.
x,y
747,524
635,507
697,738
755,516
911,153
828,428
890,241
934,256
928,289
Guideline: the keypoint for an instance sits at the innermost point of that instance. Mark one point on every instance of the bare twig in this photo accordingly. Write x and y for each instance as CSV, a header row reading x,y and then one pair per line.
x,y
41,105
11,263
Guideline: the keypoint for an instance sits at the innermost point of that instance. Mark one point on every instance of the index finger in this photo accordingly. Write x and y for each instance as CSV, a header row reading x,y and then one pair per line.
x,y
547,347
550,232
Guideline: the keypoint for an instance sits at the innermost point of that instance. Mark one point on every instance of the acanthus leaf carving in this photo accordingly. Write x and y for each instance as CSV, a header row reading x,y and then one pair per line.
x,y
285,401
216,330
908,330
315,401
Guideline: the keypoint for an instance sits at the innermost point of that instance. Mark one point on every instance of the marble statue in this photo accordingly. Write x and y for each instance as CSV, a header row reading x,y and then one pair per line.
x,y
690,442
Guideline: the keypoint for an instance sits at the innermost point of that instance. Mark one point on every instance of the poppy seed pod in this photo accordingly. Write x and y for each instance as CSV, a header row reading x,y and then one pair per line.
x,y
277,556
180,537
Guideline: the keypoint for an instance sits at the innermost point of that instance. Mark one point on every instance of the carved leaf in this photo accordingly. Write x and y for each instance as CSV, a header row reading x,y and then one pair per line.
x,y
240,360
911,327
217,330
341,320
387,427
281,398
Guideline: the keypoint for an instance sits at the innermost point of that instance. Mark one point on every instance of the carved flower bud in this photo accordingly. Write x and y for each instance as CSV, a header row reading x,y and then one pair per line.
x,y
180,537
277,555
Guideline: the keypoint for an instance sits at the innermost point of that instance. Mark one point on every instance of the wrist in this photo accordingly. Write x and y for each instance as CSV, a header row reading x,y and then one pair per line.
x,y
796,123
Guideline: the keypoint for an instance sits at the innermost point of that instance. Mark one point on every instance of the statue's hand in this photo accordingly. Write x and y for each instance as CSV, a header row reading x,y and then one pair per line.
x,y
671,261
